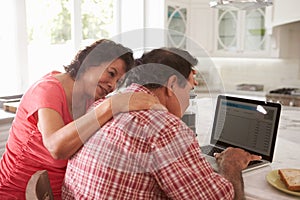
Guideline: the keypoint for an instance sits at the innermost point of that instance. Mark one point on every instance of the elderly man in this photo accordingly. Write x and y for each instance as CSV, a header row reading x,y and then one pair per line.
x,y
152,154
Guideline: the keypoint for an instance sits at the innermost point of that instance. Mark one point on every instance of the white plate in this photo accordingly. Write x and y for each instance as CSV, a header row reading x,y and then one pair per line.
x,y
274,179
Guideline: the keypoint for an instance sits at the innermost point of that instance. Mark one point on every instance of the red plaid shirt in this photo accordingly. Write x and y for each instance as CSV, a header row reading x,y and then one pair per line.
x,y
143,155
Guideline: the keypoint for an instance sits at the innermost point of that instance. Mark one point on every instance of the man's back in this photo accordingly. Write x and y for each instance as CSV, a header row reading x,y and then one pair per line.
x,y
143,155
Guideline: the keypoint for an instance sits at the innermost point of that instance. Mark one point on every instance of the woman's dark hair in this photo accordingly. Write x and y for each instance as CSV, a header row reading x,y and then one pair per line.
x,y
154,68
97,53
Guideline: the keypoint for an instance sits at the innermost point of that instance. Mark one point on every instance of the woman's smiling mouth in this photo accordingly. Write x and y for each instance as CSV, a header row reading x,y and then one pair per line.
x,y
105,92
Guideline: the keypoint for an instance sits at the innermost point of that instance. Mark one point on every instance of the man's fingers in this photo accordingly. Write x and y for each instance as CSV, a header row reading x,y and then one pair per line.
x,y
255,157
217,155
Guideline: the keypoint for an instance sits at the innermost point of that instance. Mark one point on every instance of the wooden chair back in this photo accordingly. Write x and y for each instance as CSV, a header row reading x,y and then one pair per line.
x,y
38,187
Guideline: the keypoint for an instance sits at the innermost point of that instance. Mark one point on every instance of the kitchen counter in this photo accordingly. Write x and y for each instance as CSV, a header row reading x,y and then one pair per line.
x,y
287,155
6,117
258,95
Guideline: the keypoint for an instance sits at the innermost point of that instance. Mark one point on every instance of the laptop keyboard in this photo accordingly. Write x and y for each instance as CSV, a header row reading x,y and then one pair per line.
x,y
254,162
210,150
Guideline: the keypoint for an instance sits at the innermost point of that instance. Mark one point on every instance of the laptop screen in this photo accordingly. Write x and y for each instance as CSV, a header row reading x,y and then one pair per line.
x,y
248,124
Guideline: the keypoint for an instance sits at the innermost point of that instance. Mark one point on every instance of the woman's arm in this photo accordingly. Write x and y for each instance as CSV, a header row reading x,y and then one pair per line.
x,y
63,141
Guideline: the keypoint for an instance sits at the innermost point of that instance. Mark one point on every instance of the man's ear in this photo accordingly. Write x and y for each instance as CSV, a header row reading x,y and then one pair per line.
x,y
171,84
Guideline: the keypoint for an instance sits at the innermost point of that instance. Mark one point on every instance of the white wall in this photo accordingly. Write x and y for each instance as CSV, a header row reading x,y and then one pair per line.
x,y
272,73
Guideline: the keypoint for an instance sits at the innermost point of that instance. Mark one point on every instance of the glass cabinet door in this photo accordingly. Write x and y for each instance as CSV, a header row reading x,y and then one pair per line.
x,y
227,30
241,32
177,26
255,30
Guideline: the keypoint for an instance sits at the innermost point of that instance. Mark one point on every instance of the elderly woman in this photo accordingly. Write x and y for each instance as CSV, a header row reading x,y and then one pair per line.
x,y
51,123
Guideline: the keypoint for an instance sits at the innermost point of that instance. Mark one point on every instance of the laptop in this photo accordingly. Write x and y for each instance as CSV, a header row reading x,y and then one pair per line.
x,y
244,123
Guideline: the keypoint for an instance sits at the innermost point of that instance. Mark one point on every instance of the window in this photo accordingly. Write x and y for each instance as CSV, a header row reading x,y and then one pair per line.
x,y
54,31
9,77
49,36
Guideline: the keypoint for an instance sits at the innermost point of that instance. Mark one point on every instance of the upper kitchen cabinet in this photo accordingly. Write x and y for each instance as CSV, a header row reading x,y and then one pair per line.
x,y
201,26
242,33
188,24
157,22
286,29
285,11
286,41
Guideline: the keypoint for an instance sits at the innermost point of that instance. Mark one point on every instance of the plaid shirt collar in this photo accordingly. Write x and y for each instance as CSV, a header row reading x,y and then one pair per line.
x,y
134,87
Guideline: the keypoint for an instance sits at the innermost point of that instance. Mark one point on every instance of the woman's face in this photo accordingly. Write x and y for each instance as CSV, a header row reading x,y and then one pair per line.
x,y
102,80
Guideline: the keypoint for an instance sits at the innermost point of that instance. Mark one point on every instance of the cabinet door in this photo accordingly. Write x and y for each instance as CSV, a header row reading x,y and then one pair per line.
x,y
227,38
255,31
177,17
241,33
201,27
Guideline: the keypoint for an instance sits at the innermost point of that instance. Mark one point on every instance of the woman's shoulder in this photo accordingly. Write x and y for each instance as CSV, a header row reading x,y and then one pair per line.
x,y
46,87
46,92
49,82
52,73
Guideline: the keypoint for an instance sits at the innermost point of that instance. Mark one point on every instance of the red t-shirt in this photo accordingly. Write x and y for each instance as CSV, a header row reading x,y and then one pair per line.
x,y
25,152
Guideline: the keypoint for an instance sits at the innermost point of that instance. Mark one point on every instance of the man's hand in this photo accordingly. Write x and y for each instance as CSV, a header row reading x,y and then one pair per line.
x,y
231,163
235,157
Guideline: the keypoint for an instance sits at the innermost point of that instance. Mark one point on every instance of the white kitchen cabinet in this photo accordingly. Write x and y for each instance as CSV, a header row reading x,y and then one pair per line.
x,y
286,41
188,24
285,11
201,24
286,29
151,21
242,33
194,26
170,19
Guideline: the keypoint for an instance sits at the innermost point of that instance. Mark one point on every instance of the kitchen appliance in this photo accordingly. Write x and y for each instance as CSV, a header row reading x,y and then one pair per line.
x,y
250,87
189,117
239,4
287,96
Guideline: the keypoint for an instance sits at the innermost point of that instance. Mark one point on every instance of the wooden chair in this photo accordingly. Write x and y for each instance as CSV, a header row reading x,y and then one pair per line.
x,y
38,187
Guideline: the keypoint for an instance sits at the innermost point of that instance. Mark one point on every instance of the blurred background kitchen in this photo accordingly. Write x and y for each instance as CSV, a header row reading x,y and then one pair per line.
x,y
252,52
